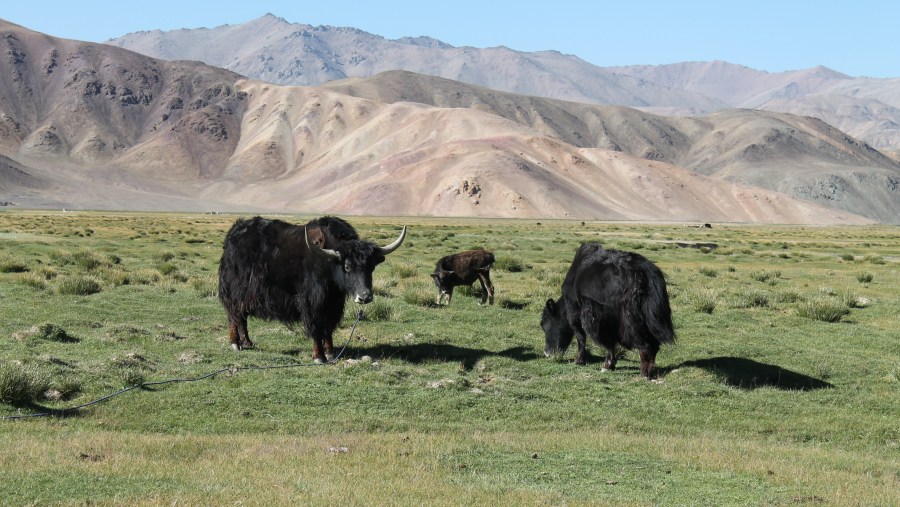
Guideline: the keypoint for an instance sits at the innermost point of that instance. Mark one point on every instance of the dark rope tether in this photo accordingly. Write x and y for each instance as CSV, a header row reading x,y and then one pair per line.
x,y
232,369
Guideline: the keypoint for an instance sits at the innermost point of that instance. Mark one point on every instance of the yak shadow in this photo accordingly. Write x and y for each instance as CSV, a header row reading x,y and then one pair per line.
x,y
424,352
748,374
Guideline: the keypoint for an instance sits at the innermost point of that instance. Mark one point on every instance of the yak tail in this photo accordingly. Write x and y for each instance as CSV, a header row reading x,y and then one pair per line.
x,y
655,309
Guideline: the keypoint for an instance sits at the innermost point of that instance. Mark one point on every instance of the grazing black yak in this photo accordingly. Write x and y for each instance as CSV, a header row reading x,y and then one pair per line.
x,y
279,271
615,298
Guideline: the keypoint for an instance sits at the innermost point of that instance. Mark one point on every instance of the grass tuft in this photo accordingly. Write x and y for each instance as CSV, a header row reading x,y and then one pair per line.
x,y
510,264
21,385
752,299
12,264
823,308
380,310
79,285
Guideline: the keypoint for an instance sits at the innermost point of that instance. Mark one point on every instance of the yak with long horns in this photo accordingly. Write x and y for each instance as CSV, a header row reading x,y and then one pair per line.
x,y
275,270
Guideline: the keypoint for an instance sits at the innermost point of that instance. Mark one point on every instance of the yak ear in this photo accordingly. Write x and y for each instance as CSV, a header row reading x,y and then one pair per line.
x,y
317,250
435,275
551,306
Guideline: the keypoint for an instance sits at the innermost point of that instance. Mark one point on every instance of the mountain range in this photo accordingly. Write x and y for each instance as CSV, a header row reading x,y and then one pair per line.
x,y
97,126
273,50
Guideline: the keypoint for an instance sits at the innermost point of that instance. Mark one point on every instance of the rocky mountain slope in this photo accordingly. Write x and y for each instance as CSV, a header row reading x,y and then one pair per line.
x,y
95,126
802,157
274,50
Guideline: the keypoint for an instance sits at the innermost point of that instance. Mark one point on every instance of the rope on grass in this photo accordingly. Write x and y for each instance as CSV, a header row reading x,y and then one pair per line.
x,y
231,369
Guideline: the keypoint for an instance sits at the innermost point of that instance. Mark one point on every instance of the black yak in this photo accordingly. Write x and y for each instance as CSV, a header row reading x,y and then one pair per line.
x,y
615,298
463,269
280,271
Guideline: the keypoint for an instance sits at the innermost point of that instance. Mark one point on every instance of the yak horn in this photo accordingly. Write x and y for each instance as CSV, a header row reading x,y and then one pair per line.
x,y
319,250
396,244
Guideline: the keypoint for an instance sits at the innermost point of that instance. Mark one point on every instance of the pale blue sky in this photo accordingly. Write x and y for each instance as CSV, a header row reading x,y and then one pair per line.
x,y
859,38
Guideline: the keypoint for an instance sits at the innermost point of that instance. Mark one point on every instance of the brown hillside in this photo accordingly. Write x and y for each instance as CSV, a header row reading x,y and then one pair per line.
x,y
95,126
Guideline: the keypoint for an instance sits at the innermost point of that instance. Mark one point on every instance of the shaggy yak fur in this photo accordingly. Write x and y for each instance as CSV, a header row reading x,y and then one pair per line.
x,y
615,298
463,269
279,271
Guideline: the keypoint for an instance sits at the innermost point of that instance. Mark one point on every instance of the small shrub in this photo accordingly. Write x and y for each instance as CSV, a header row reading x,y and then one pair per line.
x,y
115,277
405,269
864,277
166,268
789,296
20,385
849,299
87,259
48,272
163,257
510,264
874,259
10,264
61,257
381,287
131,378
380,310
710,272
79,286
825,309
52,332
848,257
206,286
419,295
68,387
701,300
145,277
752,299
765,276
33,280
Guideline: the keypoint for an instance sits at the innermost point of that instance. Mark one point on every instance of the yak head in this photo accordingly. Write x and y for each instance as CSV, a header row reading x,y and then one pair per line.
x,y
354,261
557,331
443,279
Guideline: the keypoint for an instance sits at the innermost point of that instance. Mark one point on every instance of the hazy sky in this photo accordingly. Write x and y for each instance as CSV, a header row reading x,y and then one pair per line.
x,y
859,38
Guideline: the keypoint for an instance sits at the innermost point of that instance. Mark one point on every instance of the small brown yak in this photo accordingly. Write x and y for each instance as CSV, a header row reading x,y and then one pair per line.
x,y
463,269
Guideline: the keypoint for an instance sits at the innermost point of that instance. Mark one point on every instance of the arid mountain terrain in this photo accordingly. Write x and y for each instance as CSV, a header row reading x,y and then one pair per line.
x,y
274,50
94,126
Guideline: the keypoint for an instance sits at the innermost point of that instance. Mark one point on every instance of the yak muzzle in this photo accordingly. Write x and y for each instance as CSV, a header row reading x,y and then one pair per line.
x,y
363,298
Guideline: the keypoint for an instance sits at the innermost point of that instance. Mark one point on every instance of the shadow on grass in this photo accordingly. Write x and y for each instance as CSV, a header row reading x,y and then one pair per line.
x,y
29,409
749,374
420,353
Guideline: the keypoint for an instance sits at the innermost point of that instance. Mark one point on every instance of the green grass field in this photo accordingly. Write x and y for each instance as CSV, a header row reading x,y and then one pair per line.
x,y
783,387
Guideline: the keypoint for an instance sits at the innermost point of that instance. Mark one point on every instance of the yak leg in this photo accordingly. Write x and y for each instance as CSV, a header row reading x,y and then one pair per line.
x,y
487,288
581,354
610,362
317,355
648,358
328,348
237,333
323,347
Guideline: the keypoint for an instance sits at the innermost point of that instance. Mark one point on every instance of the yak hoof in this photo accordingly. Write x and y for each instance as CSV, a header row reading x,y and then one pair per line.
x,y
329,357
318,360
235,347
